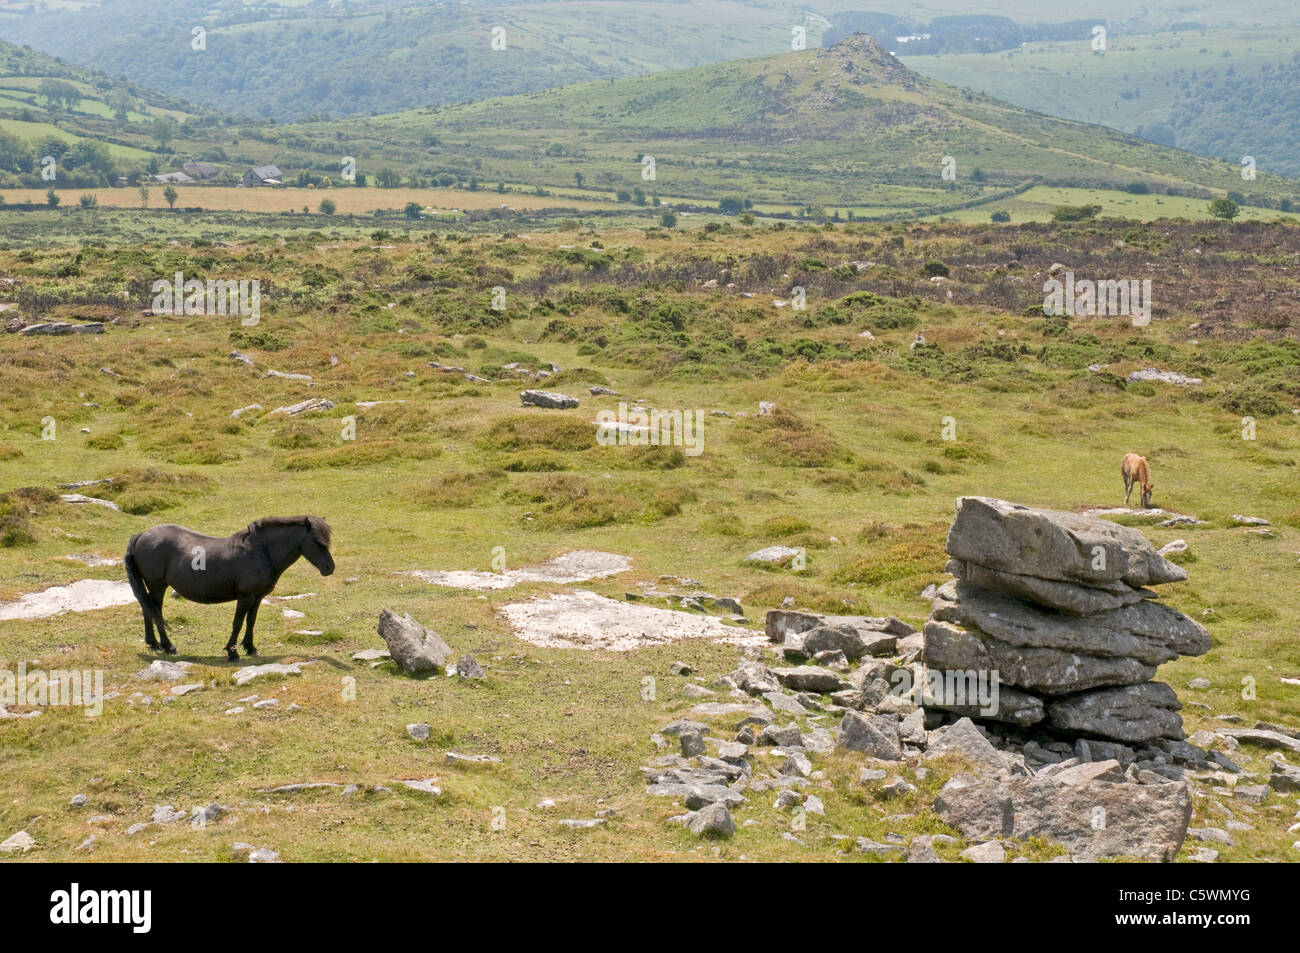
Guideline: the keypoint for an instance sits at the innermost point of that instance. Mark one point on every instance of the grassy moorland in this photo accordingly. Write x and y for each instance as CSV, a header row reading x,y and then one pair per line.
x,y
852,467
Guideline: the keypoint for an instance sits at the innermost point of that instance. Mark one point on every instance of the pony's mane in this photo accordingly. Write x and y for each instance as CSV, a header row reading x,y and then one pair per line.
x,y
320,530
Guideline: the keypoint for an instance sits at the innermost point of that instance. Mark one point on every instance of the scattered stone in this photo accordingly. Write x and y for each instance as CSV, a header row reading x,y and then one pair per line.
x,y
454,757
19,843
713,820
304,407
419,732
549,399
416,649
247,673
875,736
468,667
964,740
423,785
990,852
160,670
692,744
1163,377
810,678
166,814
773,556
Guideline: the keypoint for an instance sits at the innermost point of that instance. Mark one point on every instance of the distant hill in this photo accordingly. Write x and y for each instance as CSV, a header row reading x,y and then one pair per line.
x,y
847,125
289,61
1223,93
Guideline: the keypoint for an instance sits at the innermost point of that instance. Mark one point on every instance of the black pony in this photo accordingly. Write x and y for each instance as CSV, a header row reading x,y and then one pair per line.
x,y
243,568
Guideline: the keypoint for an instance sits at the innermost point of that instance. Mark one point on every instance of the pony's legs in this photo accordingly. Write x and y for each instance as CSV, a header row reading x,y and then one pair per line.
x,y
252,620
158,603
241,608
1128,488
156,595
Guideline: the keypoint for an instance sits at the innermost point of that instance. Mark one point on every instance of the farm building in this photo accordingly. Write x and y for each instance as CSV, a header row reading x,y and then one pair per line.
x,y
261,175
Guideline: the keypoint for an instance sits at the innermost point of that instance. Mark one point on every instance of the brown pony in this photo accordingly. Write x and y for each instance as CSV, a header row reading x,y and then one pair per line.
x,y
1135,470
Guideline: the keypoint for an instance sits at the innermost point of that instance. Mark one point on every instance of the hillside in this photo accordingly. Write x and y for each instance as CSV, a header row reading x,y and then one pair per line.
x,y
846,126
288,61
96,127
1225,93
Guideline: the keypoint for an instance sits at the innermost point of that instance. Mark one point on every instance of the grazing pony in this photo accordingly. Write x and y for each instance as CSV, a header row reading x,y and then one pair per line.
x,y
1135,470
242,568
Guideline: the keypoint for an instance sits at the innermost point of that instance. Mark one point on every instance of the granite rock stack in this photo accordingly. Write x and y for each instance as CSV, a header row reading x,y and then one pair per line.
x,y
1056,607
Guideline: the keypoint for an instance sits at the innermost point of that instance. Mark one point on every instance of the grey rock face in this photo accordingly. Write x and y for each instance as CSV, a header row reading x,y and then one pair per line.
x,y
416,649
1146,631
874,735
1099,818
1048,671
1066,596
1134,713
1054,544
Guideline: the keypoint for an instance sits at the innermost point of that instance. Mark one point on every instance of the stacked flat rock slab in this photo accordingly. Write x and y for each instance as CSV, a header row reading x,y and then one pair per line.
x,y
1057,605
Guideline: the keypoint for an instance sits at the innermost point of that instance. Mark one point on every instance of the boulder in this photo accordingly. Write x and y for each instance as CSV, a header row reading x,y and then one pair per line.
x,y
63,327
1134,713
1284,777
772,556
713,820
1263,737
1098,818
810,678
853,641
782,622
416,649
873,735
550,399
965,741
1053,544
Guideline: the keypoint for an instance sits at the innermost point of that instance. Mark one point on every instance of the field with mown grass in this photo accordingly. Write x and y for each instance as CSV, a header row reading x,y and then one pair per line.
x,y
852,467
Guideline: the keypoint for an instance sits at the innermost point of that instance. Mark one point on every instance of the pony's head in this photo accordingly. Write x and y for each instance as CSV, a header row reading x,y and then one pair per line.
x,y
1146,495
315,545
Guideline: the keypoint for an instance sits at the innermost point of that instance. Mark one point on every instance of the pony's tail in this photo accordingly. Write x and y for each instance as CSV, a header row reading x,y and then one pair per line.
x,y
137,587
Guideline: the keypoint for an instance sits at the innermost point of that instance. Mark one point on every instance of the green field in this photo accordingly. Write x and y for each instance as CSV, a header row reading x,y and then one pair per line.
x,y
853,468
